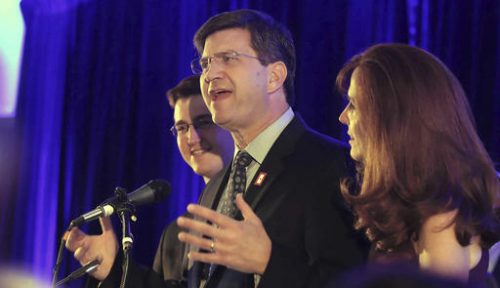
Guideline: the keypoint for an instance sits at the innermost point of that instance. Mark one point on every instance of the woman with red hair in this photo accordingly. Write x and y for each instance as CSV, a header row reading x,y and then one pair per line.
x,y
426,186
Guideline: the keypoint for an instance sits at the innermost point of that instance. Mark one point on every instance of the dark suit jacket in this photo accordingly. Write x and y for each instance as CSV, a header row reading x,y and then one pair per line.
x,y
302,210
496,273
170,260
300,205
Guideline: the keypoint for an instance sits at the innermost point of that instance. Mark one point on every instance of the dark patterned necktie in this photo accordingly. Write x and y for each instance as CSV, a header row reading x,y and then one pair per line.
x,y
237,183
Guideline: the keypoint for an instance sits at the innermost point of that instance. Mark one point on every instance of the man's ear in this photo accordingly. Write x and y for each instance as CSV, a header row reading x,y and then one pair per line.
x,y
277,76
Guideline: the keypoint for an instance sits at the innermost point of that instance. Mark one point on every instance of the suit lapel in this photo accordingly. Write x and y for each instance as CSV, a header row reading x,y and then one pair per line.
x,y
275,162
273,165
213,190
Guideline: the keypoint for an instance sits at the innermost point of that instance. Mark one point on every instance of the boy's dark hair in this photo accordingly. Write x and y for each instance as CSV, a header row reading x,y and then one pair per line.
x,y
188,87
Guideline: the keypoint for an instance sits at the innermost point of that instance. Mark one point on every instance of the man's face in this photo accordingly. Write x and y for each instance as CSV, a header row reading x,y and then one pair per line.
x,y
350,117
206,149
234,91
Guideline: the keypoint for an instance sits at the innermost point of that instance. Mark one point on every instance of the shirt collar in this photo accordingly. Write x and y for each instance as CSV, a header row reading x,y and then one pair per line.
x,y
260,145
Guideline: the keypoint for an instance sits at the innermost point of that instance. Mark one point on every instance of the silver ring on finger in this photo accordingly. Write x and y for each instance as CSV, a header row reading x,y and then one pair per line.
x,y
212,246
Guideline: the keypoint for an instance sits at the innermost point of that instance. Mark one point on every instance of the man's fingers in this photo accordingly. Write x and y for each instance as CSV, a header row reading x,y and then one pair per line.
x,y
80,255
246,210
210,215
203,243
106,224
198,226
205,257
75,239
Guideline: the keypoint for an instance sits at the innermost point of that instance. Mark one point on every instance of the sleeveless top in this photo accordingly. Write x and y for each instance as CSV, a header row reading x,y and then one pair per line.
x,y
478,274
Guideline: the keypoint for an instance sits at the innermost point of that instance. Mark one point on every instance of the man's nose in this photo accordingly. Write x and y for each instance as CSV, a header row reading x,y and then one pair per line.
x,y
193,135
213,71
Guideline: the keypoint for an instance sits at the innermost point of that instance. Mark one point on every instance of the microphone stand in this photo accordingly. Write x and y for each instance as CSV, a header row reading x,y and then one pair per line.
x,y
57,265
75,274
125,213
125,210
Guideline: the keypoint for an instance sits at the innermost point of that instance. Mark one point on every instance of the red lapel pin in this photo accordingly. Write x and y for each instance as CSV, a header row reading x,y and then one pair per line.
x,y
260,179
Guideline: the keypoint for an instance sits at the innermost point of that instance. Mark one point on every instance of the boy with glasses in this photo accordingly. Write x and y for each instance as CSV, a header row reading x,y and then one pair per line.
x,y
206,148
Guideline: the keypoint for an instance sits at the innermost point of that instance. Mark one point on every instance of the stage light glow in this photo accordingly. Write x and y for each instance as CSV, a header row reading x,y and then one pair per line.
x,y
11,40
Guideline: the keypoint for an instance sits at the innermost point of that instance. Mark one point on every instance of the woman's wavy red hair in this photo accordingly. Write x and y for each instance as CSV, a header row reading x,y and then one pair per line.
x,y
422,155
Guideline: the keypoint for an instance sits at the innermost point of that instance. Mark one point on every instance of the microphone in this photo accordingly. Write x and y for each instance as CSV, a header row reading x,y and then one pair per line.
x,y
87,269
152,192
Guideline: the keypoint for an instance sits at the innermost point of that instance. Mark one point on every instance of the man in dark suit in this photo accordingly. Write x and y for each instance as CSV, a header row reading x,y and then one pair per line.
x,y
291,228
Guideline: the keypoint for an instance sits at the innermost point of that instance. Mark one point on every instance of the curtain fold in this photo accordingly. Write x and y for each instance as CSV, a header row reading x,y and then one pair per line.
x,y
41,120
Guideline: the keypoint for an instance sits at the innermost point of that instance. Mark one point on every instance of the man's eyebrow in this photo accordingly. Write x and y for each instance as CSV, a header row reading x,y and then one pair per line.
x,y
219,53
180,122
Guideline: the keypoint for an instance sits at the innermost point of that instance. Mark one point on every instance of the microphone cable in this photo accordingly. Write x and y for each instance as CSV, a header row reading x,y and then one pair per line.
x,y
60,250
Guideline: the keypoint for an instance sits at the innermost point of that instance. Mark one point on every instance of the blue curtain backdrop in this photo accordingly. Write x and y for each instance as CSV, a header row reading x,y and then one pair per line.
x,y
92,114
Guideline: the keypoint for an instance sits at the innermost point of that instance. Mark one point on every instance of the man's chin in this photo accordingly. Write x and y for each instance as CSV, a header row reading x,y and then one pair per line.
x,y
210,167
220,119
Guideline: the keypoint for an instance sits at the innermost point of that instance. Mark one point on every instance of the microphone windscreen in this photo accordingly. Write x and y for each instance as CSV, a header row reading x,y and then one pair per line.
x,y
162,189
152,192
